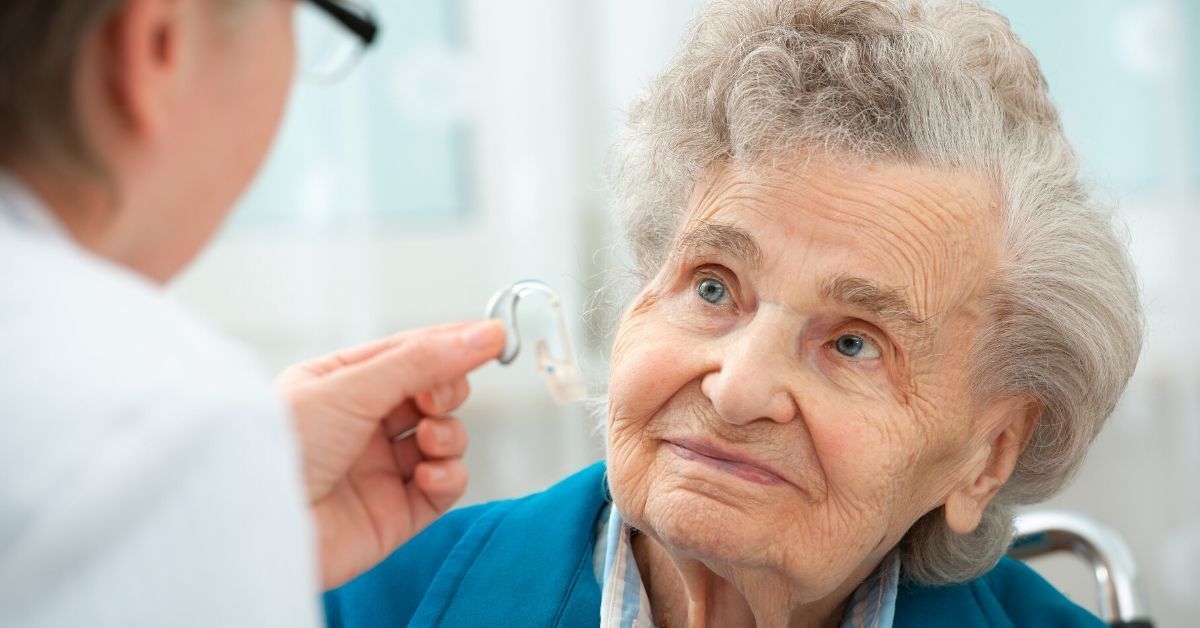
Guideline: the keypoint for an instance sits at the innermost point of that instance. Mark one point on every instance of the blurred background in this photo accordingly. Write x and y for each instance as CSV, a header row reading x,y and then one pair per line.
x,y
465,151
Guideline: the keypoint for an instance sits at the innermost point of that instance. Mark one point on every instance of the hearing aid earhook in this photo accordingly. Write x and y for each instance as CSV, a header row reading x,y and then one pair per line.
x,y
562,373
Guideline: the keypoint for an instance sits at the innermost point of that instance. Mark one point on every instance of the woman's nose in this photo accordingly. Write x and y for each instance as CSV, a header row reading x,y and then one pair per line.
x,y
750,382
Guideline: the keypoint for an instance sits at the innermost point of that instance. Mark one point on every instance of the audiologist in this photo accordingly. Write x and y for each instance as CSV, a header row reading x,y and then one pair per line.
x,y
151,472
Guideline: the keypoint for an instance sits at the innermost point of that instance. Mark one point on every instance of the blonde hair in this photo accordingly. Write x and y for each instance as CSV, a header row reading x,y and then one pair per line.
x,y
39,50
40,43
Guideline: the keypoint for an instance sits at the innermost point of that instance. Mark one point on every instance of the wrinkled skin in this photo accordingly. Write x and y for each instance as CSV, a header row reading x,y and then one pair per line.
x,y
845,419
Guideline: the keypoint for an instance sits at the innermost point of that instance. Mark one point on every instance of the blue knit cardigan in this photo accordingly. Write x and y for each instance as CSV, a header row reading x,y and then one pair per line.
x,y
528,562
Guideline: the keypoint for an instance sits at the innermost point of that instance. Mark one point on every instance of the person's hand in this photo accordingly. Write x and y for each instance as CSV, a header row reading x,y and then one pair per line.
x,y
370,494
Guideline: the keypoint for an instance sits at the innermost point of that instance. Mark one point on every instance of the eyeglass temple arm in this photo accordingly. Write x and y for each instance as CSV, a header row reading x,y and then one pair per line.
x,y
364,27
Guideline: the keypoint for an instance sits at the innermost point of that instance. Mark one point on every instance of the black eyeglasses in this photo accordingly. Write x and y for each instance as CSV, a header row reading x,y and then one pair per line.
x,y
361,24
327,51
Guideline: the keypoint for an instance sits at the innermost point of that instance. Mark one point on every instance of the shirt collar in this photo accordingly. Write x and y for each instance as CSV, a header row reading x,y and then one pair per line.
x,y
624,604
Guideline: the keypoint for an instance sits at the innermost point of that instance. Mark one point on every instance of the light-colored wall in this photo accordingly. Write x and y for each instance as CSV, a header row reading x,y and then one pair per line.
x,y
317,258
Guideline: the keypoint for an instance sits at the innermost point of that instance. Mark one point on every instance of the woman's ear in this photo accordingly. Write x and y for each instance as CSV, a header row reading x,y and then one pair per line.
x,y
1005,429
143,44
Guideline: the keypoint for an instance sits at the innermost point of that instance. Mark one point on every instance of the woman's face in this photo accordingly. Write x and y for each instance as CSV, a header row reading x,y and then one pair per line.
x,y
788,394
215,104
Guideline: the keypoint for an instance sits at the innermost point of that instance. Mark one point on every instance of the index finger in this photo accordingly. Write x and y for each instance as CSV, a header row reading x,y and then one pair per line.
x,y
417,363
349,357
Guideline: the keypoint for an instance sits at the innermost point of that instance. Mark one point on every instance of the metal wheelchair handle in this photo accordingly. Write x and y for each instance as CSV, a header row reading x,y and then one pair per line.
x,y
1118,576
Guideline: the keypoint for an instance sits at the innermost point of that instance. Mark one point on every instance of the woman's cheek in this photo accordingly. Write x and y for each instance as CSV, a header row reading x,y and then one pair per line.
x,y
639,385
666,337
858,445
689,313
653,358
645,371
862,379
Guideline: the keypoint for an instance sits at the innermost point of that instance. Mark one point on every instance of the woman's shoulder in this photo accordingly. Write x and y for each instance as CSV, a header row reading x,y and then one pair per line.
x,y
1010,594
527,561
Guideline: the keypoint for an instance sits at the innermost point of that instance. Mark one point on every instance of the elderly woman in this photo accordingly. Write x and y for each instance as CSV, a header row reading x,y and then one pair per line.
x,y
878,310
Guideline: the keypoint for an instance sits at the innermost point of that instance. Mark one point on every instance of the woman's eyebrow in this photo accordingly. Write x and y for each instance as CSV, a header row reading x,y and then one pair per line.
x,y
887,303
707,236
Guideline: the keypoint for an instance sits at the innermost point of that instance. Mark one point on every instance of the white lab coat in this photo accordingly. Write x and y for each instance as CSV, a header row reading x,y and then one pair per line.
x,y
148,472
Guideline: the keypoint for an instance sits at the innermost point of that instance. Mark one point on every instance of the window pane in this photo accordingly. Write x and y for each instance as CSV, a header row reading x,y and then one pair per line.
x,y
387,143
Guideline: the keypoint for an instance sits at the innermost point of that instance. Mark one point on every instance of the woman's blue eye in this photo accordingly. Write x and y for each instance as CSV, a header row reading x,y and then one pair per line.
x,y
711,290
849,345
857,347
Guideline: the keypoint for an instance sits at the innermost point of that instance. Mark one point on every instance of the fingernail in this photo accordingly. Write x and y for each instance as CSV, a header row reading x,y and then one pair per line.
x,y
441,396
437,474
482,335
443,435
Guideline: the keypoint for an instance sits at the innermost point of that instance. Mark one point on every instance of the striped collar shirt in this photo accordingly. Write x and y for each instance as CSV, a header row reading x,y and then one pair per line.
x,y
624,604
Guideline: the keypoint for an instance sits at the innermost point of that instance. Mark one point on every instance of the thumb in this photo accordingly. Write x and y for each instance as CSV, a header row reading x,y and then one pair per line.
x,y
416,364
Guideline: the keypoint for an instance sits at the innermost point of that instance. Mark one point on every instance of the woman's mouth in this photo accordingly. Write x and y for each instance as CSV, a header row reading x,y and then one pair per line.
x,y
732,463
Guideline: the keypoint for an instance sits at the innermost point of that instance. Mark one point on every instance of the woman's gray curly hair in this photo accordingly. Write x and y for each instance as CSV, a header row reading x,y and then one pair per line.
x,y
943,84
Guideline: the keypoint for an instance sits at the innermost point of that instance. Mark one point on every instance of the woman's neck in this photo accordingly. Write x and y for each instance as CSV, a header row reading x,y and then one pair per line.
x,y
80,206
687,593
87,209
